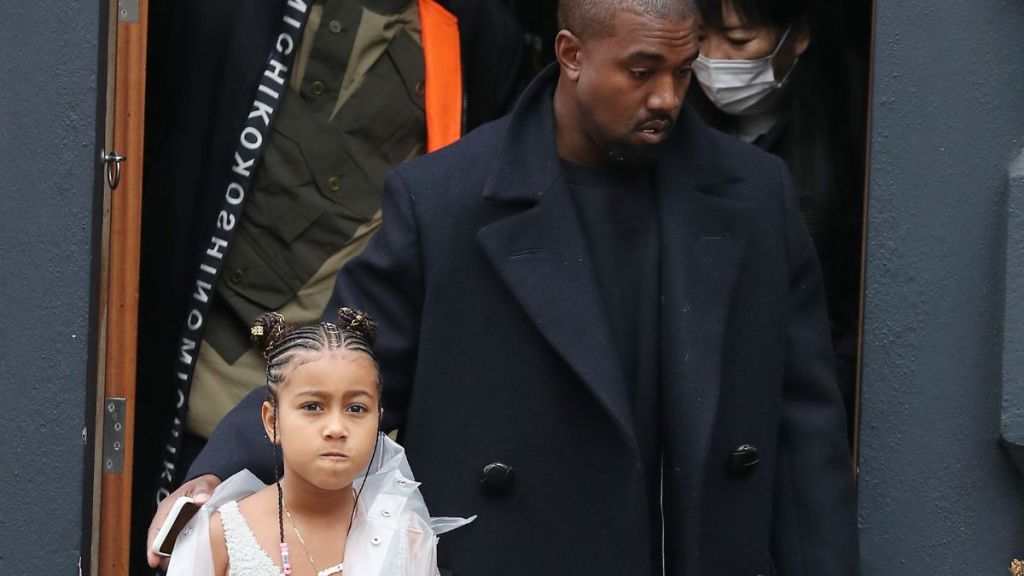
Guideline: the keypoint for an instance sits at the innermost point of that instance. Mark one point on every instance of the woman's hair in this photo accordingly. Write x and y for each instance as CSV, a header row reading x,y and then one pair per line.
x,y
756,13
285,346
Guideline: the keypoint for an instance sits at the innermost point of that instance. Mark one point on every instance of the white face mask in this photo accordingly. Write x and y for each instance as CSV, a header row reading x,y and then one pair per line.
x,y
740,87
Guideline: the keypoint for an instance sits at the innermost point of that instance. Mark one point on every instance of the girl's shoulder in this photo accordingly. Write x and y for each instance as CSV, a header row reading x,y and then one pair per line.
x,y
252,515
247,534
242,494
254,504
196,549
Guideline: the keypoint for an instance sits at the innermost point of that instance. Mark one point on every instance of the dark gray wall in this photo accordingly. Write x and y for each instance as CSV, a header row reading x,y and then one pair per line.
x,y
938,495
48,127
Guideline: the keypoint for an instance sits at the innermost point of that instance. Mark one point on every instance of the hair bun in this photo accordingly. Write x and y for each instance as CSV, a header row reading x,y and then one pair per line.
x,y
358,323
266,331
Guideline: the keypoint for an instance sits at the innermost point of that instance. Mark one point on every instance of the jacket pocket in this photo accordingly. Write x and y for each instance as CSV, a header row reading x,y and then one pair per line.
x,y
387,111
252,282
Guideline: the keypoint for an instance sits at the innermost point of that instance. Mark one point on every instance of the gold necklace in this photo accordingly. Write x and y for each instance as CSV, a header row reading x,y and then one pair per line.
x,y
336,569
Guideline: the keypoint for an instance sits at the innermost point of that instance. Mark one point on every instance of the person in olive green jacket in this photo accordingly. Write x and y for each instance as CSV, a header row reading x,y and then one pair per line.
x,y
374,83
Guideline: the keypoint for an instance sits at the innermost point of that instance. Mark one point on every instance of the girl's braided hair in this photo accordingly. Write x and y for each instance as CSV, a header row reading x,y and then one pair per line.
x,y
281,344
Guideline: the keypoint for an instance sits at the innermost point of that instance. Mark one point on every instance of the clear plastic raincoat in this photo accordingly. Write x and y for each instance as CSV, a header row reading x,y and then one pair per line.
x,y
392,533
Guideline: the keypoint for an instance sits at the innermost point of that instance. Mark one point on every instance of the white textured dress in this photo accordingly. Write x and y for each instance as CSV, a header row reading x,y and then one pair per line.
x,y
246,556
392,533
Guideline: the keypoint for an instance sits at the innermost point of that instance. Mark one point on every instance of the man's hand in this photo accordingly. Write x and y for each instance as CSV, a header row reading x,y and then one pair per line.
x,y
199,489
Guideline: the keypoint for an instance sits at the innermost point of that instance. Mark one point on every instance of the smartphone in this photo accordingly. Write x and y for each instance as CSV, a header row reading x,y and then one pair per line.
x,y
183,510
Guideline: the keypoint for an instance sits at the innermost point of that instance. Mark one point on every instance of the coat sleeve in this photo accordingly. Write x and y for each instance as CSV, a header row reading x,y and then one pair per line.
x,y
238,443
814,526
386,282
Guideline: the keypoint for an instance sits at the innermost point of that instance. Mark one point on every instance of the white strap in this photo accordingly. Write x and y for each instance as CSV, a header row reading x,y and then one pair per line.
x,y
336,569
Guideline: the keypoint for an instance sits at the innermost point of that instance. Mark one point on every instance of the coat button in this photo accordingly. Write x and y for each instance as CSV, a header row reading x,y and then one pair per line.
x,y
497,477
743,459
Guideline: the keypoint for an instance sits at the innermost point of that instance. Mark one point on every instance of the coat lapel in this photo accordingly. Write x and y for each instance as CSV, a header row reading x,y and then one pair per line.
x,y
541,254
702,247
542,257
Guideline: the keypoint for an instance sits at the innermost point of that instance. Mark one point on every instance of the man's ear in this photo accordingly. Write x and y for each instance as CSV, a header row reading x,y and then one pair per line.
x,y
268,421
568,52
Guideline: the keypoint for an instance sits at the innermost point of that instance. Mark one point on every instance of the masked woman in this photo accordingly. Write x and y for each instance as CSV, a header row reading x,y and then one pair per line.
x,y
784,75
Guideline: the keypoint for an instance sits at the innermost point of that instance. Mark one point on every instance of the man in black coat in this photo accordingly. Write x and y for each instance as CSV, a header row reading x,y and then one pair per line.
x,y
603,331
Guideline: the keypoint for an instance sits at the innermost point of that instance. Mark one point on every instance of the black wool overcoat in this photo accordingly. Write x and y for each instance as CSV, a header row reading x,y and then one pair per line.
x,y
495,348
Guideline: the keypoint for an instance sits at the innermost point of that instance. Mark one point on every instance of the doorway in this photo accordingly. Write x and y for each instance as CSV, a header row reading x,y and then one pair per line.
x,y
155,227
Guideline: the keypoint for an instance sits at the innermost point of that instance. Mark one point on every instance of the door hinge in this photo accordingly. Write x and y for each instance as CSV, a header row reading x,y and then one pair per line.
x,y
127,10
113,435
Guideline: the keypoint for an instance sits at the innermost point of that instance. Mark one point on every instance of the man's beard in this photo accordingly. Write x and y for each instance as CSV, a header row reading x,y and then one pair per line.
x,y
620,153
637,156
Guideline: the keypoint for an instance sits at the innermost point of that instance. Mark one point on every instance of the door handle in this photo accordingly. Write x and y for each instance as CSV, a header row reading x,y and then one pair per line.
x,y
112,162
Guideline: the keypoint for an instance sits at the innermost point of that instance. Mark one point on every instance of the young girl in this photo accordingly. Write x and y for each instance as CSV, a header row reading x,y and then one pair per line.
x,y
345,501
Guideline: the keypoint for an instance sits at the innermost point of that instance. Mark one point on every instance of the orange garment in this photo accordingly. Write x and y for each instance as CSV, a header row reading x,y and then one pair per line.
x,y
442,58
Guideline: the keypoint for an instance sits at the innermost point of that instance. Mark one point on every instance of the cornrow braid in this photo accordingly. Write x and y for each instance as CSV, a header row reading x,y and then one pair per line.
x,y
354,331
280,493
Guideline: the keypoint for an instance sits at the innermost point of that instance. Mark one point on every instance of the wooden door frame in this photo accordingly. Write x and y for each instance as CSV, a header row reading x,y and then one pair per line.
x,y
117,328
864,244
